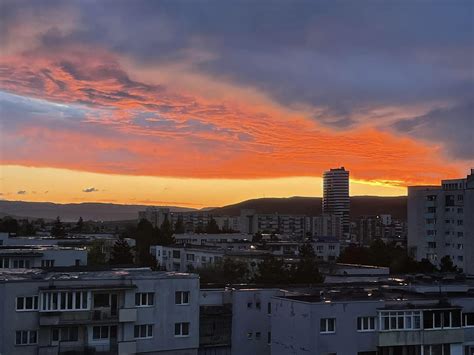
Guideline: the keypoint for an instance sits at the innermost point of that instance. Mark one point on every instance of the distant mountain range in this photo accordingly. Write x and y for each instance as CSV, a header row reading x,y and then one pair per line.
x,y
312,206
360,205
72,211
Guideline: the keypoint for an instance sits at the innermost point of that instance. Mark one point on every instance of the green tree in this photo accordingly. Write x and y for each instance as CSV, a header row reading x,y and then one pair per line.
x,y
212,227
95,255
26,228
58,230
121,253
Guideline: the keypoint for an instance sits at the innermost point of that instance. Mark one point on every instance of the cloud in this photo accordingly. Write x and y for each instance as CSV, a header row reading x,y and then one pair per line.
x,y
452,126
21,192
90,189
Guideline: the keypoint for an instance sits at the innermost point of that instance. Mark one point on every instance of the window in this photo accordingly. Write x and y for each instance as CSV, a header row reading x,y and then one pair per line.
x,y
269,338
21,264
332,247
47,263
143,331
365,324
65,300
26,337
176,254
258,335
258,305
442,319
29,303
249,335
144,299
439,349
327,325
101,300
269,308
181,297
104,332
4,263
400,320
460,222
190,257
468,319
65,334
432,245
249,304
203,259
181,329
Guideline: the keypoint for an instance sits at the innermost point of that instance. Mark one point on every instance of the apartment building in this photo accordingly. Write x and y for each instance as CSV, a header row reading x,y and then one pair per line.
x,y
35,256
236,321
336,199
365,321
324,226
117,311
441,222
186,258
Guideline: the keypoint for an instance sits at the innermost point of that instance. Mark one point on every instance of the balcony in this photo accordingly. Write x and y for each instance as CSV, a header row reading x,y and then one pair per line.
x,y
421,337
80,349
77,317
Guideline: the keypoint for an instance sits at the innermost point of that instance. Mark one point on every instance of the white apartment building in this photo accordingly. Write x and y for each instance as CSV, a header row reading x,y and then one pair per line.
x,y
120,311
26,257
441,222
336,199
324,226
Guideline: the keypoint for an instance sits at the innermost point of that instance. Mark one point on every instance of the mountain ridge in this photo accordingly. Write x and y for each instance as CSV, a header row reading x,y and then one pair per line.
x,y
97,211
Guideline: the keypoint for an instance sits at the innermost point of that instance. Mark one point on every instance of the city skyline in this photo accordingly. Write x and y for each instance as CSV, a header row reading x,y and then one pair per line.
x,y
171,103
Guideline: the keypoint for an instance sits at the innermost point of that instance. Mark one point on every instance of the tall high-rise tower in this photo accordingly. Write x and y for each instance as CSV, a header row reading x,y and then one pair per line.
x,y
336,197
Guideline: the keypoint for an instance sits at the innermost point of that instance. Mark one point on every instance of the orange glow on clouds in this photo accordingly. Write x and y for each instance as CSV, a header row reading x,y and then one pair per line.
x,y
136,128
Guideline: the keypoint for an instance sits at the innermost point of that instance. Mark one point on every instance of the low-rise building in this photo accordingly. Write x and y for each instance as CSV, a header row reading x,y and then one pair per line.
x,y
35,256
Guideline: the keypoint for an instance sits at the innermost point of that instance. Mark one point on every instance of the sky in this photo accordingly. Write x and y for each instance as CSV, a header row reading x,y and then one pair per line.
x,y
208,102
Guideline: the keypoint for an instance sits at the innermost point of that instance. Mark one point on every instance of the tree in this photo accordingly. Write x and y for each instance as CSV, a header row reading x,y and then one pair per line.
x,y
446,264
79,225
165,233
121,253
307,270
26,228
228,271
144,235
212,227
9,225
58,230
179,226
272,270
95,255
257,238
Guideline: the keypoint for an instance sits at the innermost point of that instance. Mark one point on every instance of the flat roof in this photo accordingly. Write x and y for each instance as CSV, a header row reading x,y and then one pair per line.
x,y
76,274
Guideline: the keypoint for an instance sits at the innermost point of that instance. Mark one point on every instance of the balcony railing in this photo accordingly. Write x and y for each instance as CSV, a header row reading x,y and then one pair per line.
x,y
78,317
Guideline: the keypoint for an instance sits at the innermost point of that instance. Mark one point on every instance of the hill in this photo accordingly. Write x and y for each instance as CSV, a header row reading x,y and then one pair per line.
x,y
72,211
360,206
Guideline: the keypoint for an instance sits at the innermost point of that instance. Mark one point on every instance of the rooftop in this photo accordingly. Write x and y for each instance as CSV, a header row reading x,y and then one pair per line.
x,y
78,274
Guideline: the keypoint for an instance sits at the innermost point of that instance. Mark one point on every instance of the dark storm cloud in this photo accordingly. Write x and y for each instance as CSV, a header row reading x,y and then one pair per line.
x,y
452,126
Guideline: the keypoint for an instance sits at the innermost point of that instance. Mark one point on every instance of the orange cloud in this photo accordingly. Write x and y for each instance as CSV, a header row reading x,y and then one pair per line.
x,y
137,128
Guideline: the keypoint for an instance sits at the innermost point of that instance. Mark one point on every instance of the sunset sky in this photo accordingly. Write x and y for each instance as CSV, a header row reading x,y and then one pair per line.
x,y
205,103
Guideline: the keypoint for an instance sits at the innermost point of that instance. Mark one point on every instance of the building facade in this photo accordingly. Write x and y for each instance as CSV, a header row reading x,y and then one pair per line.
x,y
121,311
441,222
336,197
